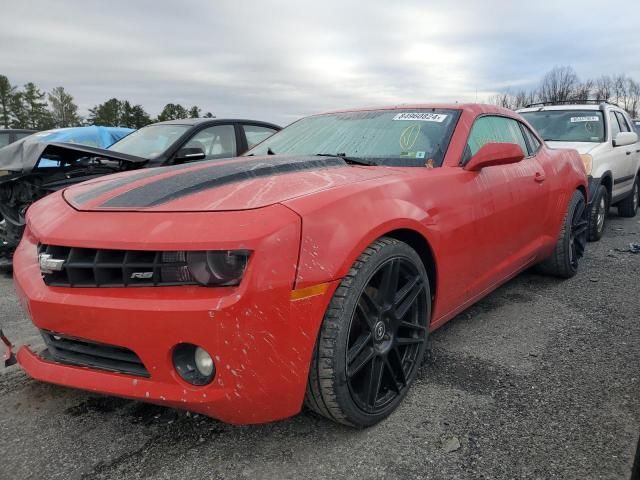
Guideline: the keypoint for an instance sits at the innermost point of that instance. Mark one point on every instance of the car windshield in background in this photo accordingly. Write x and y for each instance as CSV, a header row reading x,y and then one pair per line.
x,y
568,125
408,138
149,142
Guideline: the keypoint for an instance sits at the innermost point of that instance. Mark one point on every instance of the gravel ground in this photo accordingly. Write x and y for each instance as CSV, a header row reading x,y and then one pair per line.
x,y
539,380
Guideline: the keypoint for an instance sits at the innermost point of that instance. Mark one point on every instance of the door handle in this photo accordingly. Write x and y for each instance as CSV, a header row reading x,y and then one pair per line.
x,y
628,153
540,177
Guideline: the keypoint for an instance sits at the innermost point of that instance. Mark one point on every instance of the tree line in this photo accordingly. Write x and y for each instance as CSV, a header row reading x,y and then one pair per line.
x,y
30,107
563,84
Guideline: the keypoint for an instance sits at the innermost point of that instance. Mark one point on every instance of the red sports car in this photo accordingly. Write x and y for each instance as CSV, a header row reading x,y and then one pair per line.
x,y
309,272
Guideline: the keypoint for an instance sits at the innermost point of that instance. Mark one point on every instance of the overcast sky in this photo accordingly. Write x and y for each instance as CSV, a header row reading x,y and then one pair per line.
x,y
279,60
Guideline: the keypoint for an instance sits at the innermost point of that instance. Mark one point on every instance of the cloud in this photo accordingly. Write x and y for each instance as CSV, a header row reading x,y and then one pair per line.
x,y
277,60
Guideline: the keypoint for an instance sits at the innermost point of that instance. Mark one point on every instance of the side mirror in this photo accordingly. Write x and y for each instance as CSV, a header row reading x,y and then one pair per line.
x,y
189,154
625,138
492,154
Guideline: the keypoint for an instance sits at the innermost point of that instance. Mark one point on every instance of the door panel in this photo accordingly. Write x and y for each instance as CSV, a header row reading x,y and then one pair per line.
x,y
618,158
510,206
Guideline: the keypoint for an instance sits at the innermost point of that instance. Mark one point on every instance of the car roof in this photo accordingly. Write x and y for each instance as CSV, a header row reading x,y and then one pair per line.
x,y
476,108
200,121
568,106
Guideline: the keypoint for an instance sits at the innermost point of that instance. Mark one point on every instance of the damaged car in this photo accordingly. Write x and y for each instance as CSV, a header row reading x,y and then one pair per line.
x,y
309,272
36,166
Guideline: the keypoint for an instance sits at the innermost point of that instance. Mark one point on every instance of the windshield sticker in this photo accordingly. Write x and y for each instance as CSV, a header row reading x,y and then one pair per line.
x,y
585,119
409,136
421,116
420,154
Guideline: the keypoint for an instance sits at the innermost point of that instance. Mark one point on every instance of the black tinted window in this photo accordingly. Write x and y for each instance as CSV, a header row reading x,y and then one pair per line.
x,y
532,141
624,126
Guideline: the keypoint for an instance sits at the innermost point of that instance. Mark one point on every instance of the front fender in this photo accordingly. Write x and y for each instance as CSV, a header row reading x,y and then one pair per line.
x,y
334,236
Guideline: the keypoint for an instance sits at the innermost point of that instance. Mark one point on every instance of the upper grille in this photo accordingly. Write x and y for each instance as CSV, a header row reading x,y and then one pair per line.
x,y
75,351
87,267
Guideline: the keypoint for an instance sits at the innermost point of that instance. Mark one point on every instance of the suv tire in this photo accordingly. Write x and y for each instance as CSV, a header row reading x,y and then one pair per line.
x,y
598,214
629,206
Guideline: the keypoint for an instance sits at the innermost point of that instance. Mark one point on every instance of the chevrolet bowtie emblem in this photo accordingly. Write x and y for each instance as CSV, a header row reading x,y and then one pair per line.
x,y
48,264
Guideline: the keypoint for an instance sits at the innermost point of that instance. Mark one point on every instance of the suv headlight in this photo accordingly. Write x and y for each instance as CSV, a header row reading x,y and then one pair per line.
x,y
588,162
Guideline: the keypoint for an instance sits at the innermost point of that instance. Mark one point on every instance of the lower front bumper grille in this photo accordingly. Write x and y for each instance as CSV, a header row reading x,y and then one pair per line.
x,y
75,351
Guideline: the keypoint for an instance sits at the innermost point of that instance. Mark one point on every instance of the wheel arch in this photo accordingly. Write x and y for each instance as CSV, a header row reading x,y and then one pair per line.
x,y
421,245
582,189
607,181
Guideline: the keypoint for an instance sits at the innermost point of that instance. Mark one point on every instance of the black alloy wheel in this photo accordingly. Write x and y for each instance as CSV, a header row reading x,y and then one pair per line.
x,y
373,336
578,234
385,335
572,240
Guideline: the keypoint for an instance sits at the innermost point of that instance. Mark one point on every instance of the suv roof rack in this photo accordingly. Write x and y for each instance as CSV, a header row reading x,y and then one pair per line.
x,y
577,101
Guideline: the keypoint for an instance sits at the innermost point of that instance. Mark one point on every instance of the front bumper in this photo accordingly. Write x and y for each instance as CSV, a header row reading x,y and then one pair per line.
x,y
261,340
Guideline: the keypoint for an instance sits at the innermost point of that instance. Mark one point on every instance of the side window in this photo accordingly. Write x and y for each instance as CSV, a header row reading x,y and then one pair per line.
x,y
4,139
615,126
624,126
532,140
215,142
255,134
492,129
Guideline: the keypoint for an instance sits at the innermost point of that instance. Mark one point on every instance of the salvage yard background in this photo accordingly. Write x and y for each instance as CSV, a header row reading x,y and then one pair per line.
x,y
541,379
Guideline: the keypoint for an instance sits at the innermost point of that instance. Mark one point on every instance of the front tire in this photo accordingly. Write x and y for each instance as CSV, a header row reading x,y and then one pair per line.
x,y
598,213
571,243
373,336
629,206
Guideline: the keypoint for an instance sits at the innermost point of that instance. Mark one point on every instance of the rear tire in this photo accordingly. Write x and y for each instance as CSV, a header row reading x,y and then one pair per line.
x,y
572,241
598,214
629,206
373,337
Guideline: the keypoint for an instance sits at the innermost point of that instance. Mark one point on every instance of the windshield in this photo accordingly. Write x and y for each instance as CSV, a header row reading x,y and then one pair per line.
x,y
149,142
568,125
409,138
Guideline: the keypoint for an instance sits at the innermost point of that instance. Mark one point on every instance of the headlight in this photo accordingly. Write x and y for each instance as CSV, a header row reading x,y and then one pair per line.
x,y
588,162
222,268
3,172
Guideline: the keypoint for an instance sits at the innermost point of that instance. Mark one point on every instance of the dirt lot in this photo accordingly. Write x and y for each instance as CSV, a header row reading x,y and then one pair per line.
x,y
539,380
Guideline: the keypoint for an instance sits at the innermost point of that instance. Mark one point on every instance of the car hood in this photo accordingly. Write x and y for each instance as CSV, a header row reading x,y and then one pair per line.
x,y
23,155
236,184
581,147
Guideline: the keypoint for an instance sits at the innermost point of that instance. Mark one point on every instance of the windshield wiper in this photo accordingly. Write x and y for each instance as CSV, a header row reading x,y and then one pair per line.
x,y
350,160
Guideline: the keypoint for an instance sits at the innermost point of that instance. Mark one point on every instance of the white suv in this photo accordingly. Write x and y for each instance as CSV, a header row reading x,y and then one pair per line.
x,y
606,139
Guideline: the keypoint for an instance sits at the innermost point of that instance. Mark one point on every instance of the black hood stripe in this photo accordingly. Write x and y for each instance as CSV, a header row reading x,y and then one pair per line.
x,y
190,182
104,187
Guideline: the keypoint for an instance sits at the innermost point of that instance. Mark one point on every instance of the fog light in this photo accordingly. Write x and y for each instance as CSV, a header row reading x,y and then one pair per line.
x,y
193,364
204,362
